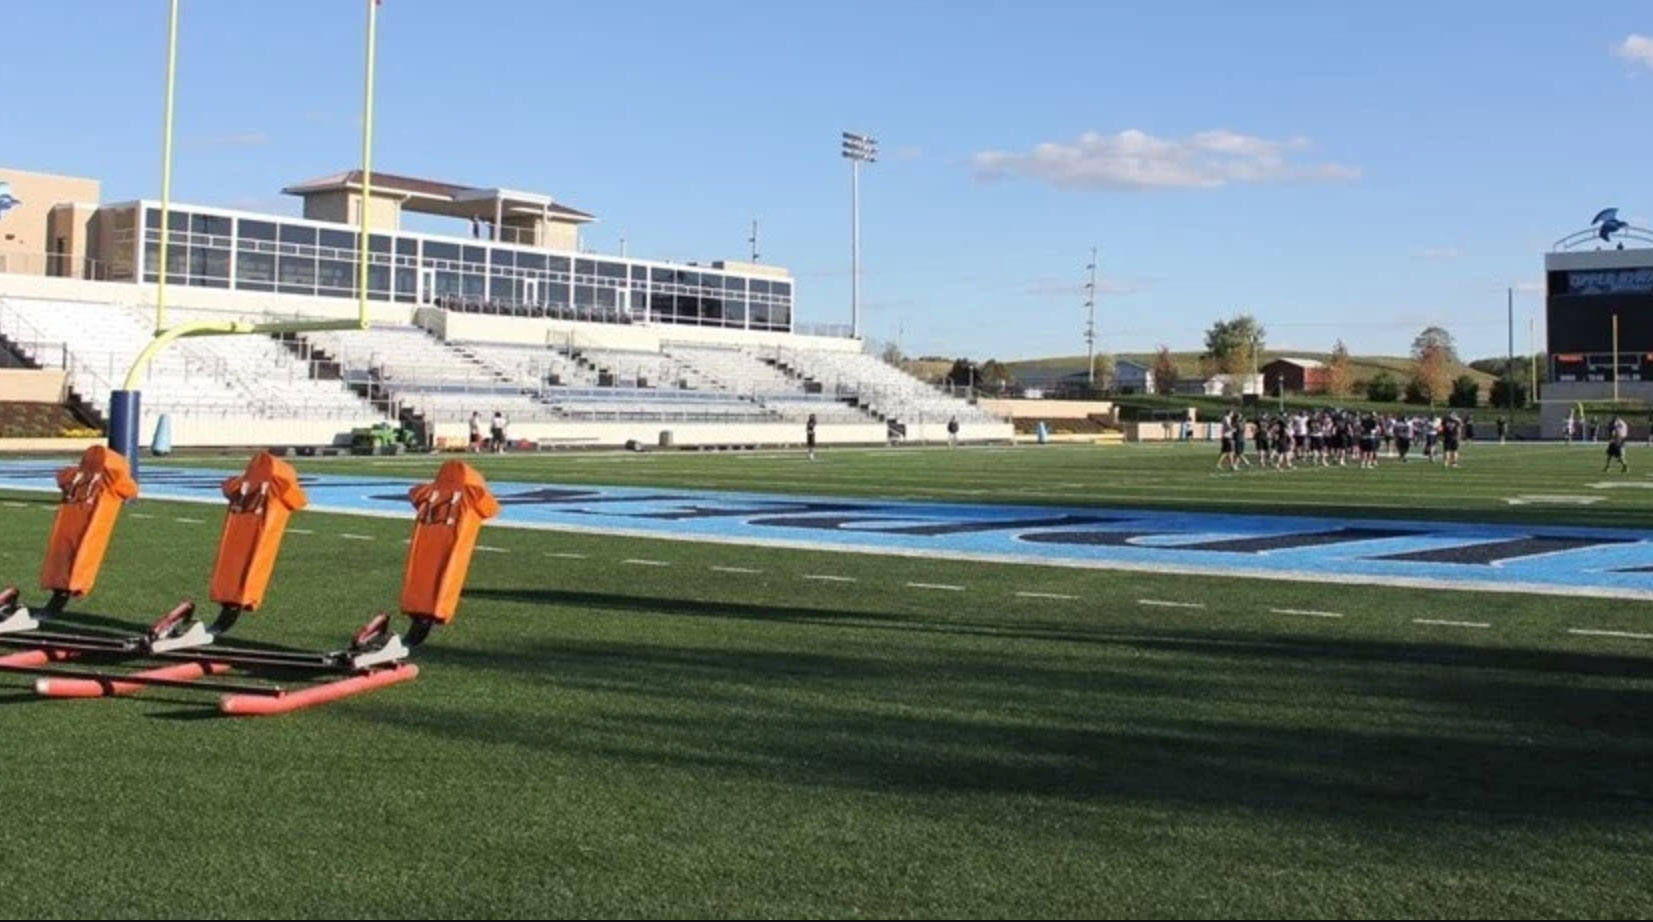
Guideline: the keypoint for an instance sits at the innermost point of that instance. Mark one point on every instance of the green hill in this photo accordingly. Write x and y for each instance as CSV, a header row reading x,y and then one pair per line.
x,y
1365,367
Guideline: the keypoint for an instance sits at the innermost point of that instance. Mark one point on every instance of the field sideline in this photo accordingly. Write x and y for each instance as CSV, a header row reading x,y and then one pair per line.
x,y
625,727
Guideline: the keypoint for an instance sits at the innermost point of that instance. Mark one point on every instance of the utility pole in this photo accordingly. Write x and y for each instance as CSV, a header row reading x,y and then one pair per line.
x,y
1509,365
1090,322
753,240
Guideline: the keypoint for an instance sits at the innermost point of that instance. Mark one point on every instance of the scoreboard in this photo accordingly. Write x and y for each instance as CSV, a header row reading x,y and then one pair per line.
x,y
1586,291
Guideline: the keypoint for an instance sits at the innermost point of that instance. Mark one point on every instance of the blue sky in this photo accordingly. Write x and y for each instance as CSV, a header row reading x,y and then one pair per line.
x,y
1337,170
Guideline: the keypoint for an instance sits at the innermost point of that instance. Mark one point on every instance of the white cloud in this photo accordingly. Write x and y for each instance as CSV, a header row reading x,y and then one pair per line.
x,y
1134,159
1439,254
1531,287
905,153
1636,47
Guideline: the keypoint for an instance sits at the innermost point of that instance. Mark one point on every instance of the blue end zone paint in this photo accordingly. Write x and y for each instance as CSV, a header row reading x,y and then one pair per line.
x,y
1551,560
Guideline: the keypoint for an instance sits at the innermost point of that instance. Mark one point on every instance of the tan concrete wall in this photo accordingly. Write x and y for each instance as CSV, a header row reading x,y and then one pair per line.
x,y
579,434
1047,409
28,385
65,446
560,235
750,268
70,228
25,232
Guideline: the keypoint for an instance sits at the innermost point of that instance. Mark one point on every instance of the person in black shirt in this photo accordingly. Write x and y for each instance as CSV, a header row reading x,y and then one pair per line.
x,y
809,435
1451,429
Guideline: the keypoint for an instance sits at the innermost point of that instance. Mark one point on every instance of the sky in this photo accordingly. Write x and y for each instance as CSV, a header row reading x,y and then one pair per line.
x,y
1338,170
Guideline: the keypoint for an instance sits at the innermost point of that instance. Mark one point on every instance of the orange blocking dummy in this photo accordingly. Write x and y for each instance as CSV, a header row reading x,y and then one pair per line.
x,y
92,494
261,501
449,513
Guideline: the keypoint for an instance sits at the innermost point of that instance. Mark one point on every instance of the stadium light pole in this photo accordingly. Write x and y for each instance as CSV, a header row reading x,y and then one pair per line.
x,y
858,149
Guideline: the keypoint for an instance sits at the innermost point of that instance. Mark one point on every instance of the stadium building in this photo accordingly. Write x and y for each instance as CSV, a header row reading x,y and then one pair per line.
x,y
1593,278
509,316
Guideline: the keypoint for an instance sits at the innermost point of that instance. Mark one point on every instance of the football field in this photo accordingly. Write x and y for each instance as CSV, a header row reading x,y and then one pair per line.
x,y
872,709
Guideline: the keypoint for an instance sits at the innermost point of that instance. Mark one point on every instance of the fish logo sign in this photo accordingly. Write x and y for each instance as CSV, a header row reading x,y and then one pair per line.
x,y
1610,223
7,200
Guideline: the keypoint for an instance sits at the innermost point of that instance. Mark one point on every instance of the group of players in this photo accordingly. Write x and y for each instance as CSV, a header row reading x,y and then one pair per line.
x,y
1336,438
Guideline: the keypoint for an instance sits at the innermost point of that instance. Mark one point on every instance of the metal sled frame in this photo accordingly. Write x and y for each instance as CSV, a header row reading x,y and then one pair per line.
x,y
375,658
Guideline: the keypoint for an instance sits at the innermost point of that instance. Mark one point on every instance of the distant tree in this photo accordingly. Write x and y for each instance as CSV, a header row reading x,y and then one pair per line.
x,y
1339,374
1500,396
963,373
994,375
1165,371
1230,343
1430,375
1383,388
892,354
1466,393
1436,337
1103,367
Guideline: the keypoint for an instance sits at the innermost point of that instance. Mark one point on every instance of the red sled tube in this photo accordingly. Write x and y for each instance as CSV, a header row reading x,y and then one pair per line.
x,y
249,705
97,688
23,659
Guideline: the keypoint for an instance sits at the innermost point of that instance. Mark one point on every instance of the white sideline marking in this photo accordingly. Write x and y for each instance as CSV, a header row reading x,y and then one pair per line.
x,y
301,531
1161,603
829,578
17,505
350,537
565,555
187,521
492,549
1450,623
1306,611
135,515
1046,595
735,570
639,562
1591,633
944,586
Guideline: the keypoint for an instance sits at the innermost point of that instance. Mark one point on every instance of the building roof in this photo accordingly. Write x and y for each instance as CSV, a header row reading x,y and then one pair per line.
x,y
1300,363
444,198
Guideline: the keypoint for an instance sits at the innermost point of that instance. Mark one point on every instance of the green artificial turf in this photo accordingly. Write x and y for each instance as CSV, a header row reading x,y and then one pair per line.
x,y
644,728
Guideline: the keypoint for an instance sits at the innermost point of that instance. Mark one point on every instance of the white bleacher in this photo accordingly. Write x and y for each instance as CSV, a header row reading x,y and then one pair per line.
x,y
881,387
735,371
532,366
634,367
251,376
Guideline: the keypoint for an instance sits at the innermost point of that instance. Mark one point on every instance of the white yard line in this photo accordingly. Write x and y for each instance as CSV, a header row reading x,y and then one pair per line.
x,y
941,586
1046,595
1587,632
1162,603
1450,623
1309,612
